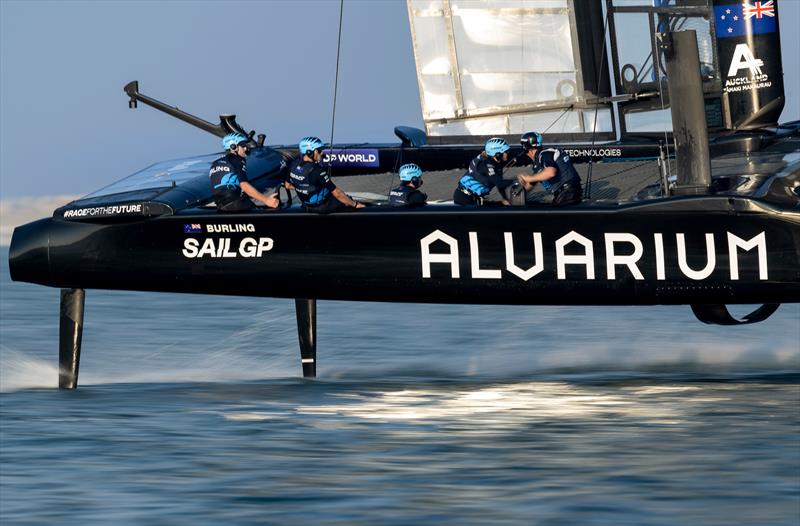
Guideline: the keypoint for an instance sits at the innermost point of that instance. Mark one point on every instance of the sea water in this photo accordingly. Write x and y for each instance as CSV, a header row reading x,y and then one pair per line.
x,y
191,410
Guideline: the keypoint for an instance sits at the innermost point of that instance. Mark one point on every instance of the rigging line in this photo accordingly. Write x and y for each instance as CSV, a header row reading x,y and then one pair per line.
x,y
336,81
558,118
394,171
588,191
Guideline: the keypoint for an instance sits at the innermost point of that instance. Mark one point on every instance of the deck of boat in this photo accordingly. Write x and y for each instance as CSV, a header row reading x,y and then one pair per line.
x,y
611,182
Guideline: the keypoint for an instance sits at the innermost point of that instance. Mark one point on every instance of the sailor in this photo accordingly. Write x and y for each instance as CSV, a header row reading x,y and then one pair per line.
x,y
408,194
228,175
313,184
553,168
484,173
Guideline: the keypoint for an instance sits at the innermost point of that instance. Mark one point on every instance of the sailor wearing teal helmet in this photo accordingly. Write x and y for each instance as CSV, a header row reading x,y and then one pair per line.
x,y
408,195
484,173
553,168
312,182
228,175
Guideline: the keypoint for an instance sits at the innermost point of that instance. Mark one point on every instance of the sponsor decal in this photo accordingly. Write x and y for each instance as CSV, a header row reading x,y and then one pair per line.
x,y
622,250
745,19
104,211
351,157
248,247
743,58
241,227
759,9
593,152
219,168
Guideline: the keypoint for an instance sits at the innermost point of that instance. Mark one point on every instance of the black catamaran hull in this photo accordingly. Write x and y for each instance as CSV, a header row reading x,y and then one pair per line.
x,y
694,250
705,239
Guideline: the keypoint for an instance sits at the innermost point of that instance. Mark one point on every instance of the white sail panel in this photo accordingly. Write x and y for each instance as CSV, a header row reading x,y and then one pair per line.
x,y
434,69
490,90
508,40
499,67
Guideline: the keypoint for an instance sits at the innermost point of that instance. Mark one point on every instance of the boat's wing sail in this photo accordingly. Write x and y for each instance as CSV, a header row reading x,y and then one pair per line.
x,y
504,67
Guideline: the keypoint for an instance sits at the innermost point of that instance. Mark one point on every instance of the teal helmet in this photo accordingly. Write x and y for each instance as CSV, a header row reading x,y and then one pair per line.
x,y
496,146
309,144
232,139
409,171
531,140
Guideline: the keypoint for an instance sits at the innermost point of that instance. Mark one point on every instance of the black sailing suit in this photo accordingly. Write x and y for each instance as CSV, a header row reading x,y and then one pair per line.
x,y
566,184
226,175
407,197
483,174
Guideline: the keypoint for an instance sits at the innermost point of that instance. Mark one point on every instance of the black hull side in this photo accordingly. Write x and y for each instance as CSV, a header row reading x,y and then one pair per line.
x,y
379,254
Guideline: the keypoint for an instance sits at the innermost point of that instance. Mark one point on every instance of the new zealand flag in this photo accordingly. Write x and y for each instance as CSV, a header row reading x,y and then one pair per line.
x,y
748,18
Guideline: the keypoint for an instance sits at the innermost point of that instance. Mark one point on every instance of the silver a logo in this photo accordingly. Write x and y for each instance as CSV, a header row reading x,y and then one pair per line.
x,y
743,58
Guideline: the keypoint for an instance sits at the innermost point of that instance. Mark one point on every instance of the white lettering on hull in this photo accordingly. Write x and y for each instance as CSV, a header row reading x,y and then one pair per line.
x,y
450,257
613,259
711,258
474,256
760,242
576,249
661,272
240,227
111,210
562,259
538,263
221,248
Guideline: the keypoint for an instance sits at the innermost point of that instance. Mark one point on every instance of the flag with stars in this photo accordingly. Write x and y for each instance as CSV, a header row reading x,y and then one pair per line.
x,y
749,17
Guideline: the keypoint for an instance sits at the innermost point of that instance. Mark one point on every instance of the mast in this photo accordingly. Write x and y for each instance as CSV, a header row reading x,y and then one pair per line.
x,y
688,111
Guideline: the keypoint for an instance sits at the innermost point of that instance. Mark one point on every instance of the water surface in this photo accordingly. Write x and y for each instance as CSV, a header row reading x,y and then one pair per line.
x,y
191,411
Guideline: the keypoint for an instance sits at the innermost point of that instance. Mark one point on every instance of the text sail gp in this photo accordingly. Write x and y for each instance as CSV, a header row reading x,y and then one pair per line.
x,y
221,248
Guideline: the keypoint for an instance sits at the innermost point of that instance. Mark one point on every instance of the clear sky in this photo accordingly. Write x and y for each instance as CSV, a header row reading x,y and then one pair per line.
x,y
65,126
